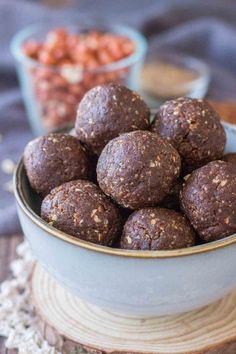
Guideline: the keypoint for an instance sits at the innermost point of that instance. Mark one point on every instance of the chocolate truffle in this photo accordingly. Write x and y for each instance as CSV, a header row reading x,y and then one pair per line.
x,y
80,209
208,199
157,229
230,157
107,111
138,169
193,128
53,159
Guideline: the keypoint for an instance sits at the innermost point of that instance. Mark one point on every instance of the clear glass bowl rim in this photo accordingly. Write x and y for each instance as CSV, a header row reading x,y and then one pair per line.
x,y
26,33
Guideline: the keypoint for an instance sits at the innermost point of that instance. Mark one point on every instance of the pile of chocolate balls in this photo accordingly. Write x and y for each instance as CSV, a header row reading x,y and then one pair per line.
x,y
124,181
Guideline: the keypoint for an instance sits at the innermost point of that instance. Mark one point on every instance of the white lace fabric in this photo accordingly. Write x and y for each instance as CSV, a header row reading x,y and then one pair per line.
x,y
18,320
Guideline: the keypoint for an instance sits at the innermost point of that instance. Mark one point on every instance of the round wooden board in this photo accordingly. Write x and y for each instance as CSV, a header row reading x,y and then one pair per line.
x,y
210,330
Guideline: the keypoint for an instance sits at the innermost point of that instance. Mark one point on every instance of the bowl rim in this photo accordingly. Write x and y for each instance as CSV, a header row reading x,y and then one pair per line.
x,y
36,219
137,37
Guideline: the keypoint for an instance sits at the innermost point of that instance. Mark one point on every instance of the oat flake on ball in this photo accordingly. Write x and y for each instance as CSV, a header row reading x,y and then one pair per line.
x,y
193,127
54,159
208,199
107,111
157,229
138,169
80,209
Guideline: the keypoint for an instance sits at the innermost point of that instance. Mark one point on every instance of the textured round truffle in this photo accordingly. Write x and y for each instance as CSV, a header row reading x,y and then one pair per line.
x,y
193,128
230,157
208,199
138,169
107,111
157,229
53,159
80,209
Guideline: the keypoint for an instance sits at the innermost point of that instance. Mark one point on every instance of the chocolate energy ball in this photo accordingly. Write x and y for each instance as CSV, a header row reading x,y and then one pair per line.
x,y
193,128
138,169
53,159
107,111
208,199
157,229
230,157
80,209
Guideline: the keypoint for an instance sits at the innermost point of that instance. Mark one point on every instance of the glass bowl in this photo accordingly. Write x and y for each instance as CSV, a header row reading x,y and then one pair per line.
x,y
169,75
51,93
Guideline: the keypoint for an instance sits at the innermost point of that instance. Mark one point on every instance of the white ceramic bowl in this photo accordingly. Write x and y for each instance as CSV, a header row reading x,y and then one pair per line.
x,y
139,283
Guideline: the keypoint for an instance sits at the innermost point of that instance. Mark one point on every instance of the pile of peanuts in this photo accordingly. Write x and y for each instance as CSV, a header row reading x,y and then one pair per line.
x,y
71,64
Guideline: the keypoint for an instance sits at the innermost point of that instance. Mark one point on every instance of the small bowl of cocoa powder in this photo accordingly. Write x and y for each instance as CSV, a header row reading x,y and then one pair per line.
x,y
57,66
